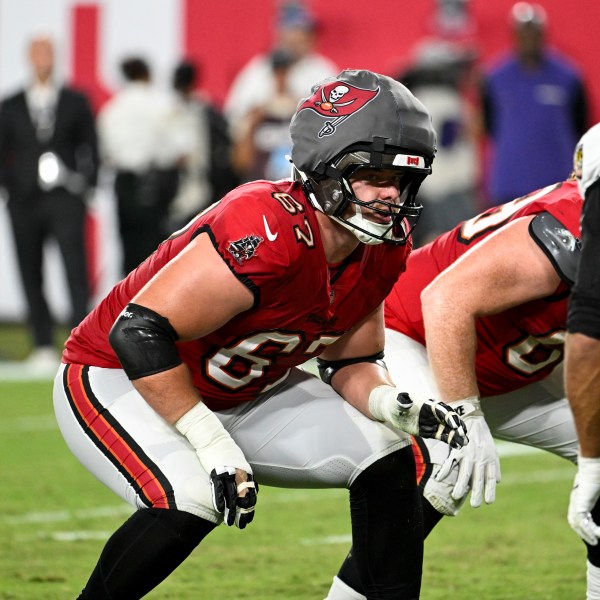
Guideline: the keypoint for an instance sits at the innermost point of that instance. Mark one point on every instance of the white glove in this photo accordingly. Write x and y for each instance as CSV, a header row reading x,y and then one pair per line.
x,y
220,456
478,461
428,419
584,495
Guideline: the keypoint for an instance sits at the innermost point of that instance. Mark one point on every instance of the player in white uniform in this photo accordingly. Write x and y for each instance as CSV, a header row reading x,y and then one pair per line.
x,y
180,388
582,365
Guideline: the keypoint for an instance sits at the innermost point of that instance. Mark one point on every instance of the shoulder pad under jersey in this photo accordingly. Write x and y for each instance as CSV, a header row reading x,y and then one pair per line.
x,y
558,243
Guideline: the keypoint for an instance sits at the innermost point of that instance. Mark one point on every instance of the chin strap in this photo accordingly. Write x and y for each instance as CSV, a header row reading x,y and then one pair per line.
x,y
353,223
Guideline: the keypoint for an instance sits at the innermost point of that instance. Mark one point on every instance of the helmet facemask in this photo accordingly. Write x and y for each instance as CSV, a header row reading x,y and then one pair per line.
x,y
331,192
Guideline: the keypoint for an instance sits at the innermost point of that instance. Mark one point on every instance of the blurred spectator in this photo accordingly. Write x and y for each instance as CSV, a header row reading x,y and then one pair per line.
x,y
48,162
263,139
439,76
257,83
452,19
535,109
137,141
205,172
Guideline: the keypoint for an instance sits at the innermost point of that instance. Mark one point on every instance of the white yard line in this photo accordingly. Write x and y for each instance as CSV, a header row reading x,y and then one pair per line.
x,y
28,424
510,449
75,536
280,497
328,540
21,371
98,512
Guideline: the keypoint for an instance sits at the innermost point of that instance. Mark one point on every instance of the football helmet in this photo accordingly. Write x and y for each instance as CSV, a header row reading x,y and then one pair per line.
x,y
586,160
362,119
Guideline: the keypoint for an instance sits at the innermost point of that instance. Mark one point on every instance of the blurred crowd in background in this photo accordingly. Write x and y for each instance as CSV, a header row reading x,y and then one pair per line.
x,y
503,130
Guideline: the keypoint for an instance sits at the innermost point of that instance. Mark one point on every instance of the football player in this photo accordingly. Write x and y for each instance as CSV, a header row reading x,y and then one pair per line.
x,y
582,362
180,390
478,320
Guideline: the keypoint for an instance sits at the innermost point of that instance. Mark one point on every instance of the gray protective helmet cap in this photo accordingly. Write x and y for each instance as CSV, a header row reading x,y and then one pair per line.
x,y
392,113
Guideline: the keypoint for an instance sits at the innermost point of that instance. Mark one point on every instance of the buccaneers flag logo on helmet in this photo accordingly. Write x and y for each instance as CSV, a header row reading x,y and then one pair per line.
x,y
338,100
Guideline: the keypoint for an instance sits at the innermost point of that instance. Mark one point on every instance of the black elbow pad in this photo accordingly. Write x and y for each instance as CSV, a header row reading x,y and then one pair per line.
x,y
144,342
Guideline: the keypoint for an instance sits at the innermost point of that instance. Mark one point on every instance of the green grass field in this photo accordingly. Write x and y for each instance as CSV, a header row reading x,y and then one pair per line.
x,y
55,517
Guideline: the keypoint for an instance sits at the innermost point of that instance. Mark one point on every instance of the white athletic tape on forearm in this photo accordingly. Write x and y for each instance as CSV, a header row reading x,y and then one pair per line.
x,y
589,468
213,444
383,403
383,406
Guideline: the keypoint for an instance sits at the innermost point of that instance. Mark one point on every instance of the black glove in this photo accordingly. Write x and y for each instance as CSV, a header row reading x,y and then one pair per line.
x,y
226,499
428,419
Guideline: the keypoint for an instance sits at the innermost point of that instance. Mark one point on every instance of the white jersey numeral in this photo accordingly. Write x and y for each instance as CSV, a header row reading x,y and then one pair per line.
x,y
491,220
221,365
535,353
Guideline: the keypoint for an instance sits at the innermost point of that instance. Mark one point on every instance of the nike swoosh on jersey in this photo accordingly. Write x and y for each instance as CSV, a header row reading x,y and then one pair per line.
x,y
270,236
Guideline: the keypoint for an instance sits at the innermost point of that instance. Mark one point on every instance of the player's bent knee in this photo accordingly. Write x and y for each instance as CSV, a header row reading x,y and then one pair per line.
x,y
189,528
398,468
190,491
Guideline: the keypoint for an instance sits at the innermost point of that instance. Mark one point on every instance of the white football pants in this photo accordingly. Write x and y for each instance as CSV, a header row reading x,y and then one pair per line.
x,y
301,434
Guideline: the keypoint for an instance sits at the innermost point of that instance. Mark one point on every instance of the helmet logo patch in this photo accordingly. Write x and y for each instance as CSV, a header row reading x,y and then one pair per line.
x,y
338,100
245,248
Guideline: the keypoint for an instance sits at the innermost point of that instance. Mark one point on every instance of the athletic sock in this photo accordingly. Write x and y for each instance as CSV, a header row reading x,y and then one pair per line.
x,y
143,552
387,528
431,517
347,586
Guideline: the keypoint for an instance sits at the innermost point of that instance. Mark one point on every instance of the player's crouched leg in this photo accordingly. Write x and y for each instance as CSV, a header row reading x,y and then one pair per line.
x,y
429,457
127,446
149,546
387,528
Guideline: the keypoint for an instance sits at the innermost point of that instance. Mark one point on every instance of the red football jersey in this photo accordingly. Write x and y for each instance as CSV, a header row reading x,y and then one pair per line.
x,y
515,347
268,235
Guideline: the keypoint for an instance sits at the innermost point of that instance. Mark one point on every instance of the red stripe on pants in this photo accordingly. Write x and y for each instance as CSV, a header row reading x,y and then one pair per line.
x,y
113,444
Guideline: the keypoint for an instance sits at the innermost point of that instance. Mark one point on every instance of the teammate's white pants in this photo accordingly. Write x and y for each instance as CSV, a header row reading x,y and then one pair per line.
x,y
537,415
301,434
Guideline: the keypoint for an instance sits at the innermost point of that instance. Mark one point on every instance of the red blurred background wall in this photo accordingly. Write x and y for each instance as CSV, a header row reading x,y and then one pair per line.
x,y
376,34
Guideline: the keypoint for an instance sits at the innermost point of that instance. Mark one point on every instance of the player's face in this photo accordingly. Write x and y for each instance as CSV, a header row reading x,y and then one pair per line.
x,y
378,187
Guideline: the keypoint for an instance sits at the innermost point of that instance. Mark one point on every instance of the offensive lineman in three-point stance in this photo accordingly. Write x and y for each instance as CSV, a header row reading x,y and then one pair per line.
x,y
180,389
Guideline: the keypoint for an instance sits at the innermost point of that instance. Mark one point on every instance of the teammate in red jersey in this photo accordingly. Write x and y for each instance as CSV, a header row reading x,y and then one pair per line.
x,y
180,388
478,320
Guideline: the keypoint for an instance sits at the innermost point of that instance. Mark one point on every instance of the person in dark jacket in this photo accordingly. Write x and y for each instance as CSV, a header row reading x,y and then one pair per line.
x,y
48,163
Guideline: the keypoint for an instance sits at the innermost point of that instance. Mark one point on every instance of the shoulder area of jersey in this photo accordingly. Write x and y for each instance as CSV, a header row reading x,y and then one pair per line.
x,y
586,160
270,196
273,212
261,187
